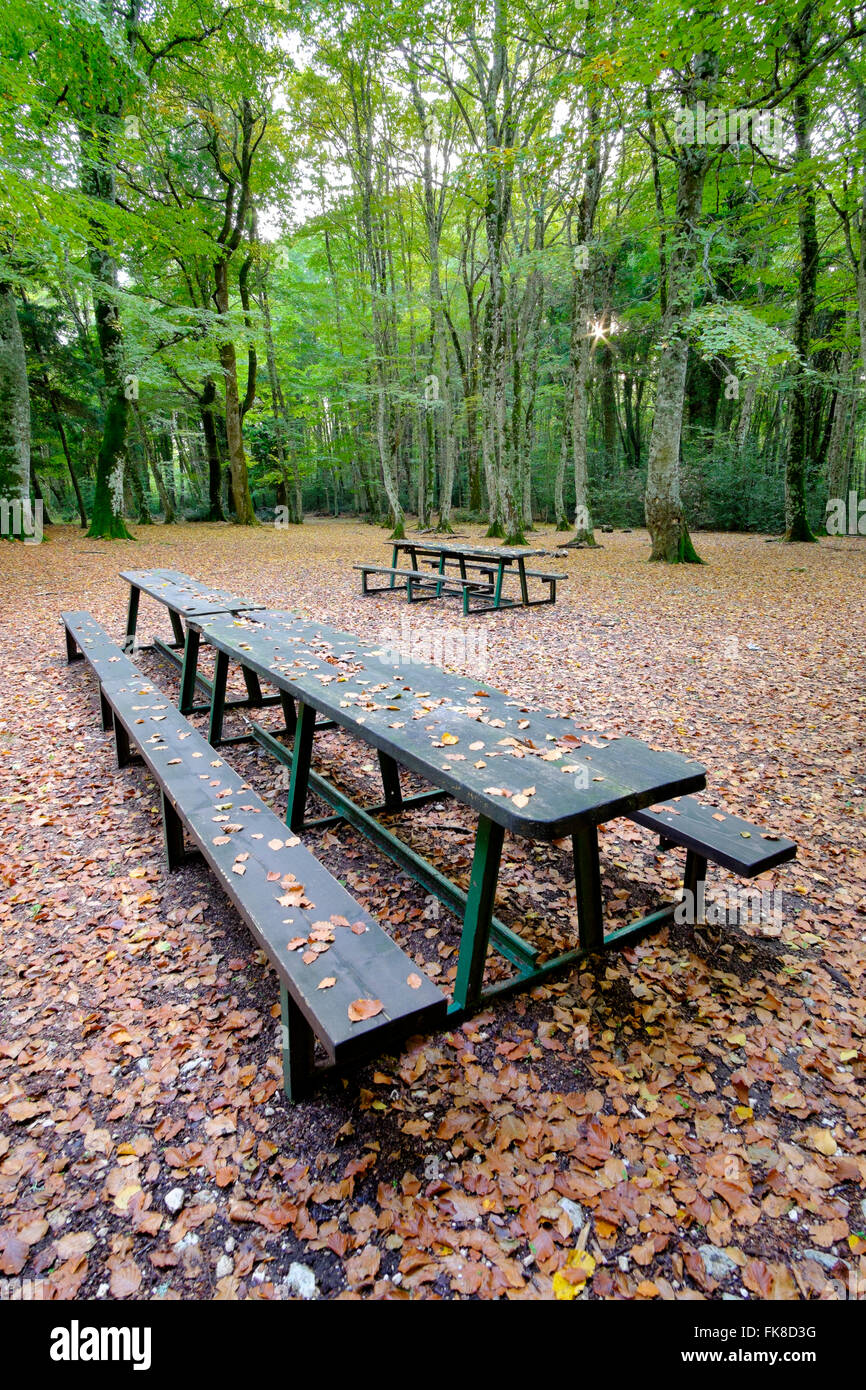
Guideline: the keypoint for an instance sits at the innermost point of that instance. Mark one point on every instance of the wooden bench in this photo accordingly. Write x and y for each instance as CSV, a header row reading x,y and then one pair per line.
x,y
547,575
307,923
86,640
445,583
708,834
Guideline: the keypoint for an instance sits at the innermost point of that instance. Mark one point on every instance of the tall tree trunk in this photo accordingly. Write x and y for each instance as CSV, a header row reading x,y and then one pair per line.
x,y
107,514
97,138
844,425
285,455
564,450
797,527
240,482
151,463
207,400
663,506
14,417
51,396
581,312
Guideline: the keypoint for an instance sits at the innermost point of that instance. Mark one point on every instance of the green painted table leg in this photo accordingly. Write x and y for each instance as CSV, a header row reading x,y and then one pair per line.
x,y
394,553
189,671
587,877
301,757
218,700
475,935
500,575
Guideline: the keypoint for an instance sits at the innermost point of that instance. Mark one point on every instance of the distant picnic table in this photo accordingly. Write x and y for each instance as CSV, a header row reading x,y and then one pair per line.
x,y
480,573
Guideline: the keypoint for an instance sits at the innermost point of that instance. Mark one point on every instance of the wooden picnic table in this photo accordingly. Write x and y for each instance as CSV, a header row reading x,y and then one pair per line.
x,y
503,560
186,599
531,772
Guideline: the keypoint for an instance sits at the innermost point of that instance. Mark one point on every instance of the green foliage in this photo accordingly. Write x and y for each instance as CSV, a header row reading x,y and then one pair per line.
x,y
730,330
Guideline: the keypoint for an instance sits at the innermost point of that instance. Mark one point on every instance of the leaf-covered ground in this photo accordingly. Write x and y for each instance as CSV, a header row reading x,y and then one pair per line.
x,y
684,1119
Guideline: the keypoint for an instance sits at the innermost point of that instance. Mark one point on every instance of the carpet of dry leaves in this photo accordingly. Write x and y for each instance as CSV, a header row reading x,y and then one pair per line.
x,y
684,1119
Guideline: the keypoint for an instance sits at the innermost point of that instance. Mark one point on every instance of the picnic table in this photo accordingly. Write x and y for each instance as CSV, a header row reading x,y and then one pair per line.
x,y
481,572
532,773
186,599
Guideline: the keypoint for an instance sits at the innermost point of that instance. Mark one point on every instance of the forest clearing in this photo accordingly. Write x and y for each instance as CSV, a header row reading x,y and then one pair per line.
x,y
689,1094
433,467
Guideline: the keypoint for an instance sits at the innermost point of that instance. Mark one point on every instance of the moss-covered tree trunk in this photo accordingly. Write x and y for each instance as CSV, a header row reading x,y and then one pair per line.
x,y
14,419
665,518
238,472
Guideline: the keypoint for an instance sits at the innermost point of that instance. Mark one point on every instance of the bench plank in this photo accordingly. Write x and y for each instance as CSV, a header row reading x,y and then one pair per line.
x,y
723,838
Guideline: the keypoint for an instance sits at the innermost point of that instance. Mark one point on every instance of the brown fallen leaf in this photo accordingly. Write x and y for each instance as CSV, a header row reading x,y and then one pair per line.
x,y
414,981
327,983
360,1009
74,1243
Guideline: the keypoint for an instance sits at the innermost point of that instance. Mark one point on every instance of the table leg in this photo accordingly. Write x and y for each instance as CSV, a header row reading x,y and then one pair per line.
x,y
172,834
298,1044
524,591
479,912
394,554
301,758
441,571
132,617
695,882
500,575
177,628
390,781
189,671
254,689
289,715
587,878
218,699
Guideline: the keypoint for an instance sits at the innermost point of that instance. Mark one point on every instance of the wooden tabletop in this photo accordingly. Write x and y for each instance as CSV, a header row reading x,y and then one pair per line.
x,y
532,771
475,549
184,595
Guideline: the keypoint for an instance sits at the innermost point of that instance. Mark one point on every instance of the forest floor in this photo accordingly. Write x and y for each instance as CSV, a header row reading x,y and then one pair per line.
x,y
685,1119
